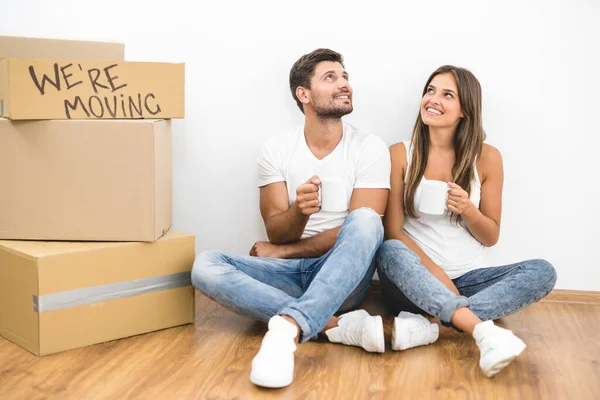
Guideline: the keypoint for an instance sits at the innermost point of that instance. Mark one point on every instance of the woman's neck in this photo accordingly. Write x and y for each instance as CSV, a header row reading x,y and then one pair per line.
x,y
441,139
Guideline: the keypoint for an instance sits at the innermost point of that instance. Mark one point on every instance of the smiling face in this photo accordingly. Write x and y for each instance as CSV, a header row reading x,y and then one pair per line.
x,y
330,93
440,106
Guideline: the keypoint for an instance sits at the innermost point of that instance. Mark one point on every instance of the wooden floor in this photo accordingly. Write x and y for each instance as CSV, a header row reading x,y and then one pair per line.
x,y
211,360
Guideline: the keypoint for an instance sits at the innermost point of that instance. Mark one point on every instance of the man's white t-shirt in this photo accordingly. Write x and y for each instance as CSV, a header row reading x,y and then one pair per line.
x,y
361,160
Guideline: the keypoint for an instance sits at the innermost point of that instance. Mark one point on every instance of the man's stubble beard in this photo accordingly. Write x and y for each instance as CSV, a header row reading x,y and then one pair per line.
x,y
332,112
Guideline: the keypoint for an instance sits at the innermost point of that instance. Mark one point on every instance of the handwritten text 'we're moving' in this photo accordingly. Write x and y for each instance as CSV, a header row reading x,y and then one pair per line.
x,y
102,81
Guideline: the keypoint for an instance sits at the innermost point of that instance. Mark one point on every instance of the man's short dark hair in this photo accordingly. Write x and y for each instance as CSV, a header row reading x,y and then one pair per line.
x,y
303,70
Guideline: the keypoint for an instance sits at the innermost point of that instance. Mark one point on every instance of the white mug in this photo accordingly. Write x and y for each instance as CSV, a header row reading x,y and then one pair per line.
x,y
333,196
434,197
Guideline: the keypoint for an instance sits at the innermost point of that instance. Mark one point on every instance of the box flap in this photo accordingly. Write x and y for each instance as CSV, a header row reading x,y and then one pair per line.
x,y
28,47
107,263
39,249
100,322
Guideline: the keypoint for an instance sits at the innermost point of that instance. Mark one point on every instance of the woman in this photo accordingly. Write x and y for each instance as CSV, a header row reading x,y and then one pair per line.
x,y
436,263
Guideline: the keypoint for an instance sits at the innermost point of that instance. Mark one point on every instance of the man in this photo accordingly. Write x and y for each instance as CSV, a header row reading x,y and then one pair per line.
x,y
316,261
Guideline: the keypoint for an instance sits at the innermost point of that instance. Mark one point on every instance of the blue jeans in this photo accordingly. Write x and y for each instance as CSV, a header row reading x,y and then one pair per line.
x,y
309,290
490,293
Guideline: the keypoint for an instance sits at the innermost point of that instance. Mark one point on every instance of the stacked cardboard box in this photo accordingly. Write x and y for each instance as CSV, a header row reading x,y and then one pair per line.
x,y
86,250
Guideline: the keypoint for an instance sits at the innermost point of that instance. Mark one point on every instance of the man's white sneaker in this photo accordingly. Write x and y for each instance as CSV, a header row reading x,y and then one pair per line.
x,y
273,365
411,330
358,328
498,347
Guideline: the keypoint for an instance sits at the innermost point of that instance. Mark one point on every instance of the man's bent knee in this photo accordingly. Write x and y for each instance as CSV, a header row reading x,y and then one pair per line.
x,y
367,221
207,270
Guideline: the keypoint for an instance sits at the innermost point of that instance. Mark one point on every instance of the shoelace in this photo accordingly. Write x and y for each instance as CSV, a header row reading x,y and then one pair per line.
x,y
419,330
275,344
487,344
352,336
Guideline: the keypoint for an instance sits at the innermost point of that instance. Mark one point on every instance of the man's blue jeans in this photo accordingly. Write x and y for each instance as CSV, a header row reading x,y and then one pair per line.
x,y
309,290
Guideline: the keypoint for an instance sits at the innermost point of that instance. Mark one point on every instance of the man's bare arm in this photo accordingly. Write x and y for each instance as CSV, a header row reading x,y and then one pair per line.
x,y
321,243
285,224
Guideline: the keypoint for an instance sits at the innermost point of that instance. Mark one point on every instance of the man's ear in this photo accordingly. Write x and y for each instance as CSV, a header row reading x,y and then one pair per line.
x,y
303,94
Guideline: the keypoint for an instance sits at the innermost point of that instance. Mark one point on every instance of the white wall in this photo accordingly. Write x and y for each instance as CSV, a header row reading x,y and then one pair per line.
x,y
537,61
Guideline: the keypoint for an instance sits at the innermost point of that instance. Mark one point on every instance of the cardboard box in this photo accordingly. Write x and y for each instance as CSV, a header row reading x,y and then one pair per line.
x,y
83,89
85,180
25,47
56,296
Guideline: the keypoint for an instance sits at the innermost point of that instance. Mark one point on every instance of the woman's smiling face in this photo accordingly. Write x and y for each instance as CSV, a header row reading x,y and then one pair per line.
x,y
440,106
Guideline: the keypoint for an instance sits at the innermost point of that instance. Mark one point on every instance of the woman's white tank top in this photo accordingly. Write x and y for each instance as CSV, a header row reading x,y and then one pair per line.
x,y
448,244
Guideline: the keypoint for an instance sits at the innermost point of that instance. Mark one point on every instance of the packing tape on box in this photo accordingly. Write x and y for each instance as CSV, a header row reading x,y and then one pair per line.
x,y
112,291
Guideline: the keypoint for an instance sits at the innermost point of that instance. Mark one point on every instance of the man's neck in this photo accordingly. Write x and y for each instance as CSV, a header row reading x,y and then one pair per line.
x,y
322,136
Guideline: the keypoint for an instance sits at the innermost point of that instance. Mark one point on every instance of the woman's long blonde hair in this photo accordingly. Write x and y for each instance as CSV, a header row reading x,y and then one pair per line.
x,y
468,138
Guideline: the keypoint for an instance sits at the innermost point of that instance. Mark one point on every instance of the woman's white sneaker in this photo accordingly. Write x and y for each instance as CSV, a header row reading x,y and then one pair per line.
x,y
358,328
498,347
411,330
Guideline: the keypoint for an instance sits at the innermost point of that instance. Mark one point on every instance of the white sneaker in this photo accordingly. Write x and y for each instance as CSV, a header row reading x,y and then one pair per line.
x,y
411,330
273,365
498,347
358,328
